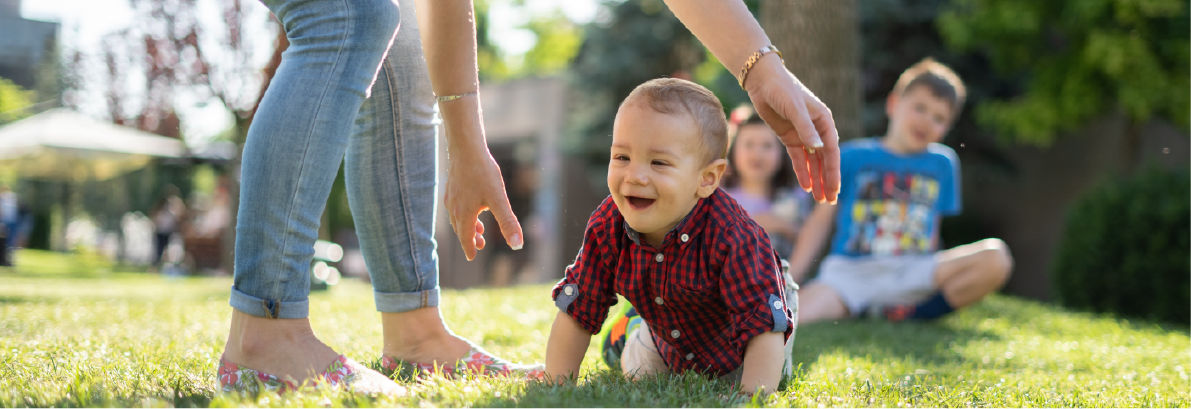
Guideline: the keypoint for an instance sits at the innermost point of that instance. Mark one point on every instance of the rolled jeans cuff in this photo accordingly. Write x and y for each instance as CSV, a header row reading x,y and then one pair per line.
x,y
269,308
405,302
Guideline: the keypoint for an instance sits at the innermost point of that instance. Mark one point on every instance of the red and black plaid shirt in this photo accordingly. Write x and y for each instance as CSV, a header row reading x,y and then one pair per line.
x,y
713,286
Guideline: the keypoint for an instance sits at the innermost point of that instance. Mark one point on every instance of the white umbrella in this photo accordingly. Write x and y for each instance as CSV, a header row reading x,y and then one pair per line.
x,y
61,144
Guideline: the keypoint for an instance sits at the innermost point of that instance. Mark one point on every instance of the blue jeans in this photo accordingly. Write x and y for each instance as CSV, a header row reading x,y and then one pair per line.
x,y
10,234
317,109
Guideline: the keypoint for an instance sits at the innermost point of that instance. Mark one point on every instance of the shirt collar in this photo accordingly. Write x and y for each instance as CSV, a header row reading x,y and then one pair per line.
x,y
689,225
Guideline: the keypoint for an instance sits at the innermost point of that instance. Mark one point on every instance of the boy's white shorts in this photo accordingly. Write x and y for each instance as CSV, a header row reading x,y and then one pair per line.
x,y
865,281
640,356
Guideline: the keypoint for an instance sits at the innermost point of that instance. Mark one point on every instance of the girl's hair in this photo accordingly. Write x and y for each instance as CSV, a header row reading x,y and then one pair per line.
x,y
784,177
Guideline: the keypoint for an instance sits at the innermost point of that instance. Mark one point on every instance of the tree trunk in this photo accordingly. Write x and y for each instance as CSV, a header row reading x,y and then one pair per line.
x,y
1132,151
821,43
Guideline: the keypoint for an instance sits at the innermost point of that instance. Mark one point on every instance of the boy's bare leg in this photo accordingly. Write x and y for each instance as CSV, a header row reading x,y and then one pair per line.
x,y
967,273
818,302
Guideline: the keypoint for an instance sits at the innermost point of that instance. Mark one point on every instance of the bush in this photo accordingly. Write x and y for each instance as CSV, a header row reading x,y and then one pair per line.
x,y
1126,246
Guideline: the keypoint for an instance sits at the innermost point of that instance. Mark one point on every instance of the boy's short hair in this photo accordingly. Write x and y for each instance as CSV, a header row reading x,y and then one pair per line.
x,y
938,79
675,96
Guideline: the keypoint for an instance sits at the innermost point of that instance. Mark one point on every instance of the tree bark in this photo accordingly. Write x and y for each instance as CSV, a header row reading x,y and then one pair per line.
x,y
1132,151
821,43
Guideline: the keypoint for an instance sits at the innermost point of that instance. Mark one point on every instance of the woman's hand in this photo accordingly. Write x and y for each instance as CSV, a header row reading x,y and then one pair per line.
x,y
802,123
474,183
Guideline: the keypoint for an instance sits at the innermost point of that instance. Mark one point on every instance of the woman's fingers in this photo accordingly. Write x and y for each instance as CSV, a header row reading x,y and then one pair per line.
x,y
468,241
509,226
813,163
801,171
798,116
485,191
480,242
825,123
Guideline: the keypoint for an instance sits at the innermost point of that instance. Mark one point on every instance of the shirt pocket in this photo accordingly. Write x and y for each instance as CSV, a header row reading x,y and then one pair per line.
x,y
692,292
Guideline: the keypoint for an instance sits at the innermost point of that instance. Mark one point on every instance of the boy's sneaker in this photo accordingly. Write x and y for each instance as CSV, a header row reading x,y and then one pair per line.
x,y
612,337
891,313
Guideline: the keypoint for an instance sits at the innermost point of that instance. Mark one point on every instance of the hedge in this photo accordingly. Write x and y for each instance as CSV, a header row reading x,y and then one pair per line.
x,y
1126,250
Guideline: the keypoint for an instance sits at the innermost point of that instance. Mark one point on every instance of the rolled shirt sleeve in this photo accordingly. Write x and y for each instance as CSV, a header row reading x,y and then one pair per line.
x,y
754,291
587,290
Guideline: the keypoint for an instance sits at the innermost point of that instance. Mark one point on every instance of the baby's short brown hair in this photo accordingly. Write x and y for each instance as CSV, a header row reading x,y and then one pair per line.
x,y
938,79
672,96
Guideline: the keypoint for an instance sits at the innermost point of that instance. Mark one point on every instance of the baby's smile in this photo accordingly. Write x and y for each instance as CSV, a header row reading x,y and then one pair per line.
x,y
640,203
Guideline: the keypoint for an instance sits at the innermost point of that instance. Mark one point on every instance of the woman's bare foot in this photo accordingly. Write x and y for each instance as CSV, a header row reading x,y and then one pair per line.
x,y
288,349
421,336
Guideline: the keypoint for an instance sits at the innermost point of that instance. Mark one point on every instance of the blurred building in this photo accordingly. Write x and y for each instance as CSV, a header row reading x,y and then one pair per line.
x,y
24,44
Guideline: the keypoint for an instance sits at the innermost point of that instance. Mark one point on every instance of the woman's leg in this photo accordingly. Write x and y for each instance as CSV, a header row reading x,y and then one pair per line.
x,y
391,168
391,173
294,147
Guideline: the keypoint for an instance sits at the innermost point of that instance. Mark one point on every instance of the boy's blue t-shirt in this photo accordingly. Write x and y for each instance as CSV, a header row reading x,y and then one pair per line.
x,y
889,203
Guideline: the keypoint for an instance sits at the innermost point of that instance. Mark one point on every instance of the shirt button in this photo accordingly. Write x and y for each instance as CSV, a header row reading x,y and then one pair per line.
x,y
777,304
569,290
690,356
659,301
675,334
685,238
659,257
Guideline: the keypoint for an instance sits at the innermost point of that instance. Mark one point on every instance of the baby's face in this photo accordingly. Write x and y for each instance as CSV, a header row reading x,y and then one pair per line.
x,y
656,168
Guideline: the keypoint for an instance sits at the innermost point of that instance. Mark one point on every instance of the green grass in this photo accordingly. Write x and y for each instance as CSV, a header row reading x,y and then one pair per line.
x,y
75,333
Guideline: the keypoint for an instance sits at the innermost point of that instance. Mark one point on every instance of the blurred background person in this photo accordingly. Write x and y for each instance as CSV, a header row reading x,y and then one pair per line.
x,y
9,220
761,178
8,214
167,215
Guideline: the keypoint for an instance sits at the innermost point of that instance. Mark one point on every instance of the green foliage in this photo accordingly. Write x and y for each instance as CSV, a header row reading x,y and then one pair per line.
x,y
898,33
640,40
632,42
1125,249
488,56
557,42
12,98
74,334
1077,59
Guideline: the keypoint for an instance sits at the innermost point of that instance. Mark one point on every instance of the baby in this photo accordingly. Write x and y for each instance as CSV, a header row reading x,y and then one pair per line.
x,y
708,290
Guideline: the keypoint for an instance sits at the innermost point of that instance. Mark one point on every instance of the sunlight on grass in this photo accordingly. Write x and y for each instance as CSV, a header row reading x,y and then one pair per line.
x,y
83,333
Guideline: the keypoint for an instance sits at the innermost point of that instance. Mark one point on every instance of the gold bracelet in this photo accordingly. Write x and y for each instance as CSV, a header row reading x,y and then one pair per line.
x,y
448,98
748,65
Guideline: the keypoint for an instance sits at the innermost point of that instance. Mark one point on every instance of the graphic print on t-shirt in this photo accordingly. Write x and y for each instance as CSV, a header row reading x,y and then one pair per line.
x,y
892,213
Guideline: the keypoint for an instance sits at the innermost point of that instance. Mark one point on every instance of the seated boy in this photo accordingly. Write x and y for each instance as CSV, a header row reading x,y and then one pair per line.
x,y
884,257
700,272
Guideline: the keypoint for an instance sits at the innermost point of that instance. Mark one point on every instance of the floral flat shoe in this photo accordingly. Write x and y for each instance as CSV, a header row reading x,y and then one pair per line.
x,y
476,362
342,373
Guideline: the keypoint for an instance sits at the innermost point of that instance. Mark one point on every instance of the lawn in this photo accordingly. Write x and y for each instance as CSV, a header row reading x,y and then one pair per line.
x,y
77,332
